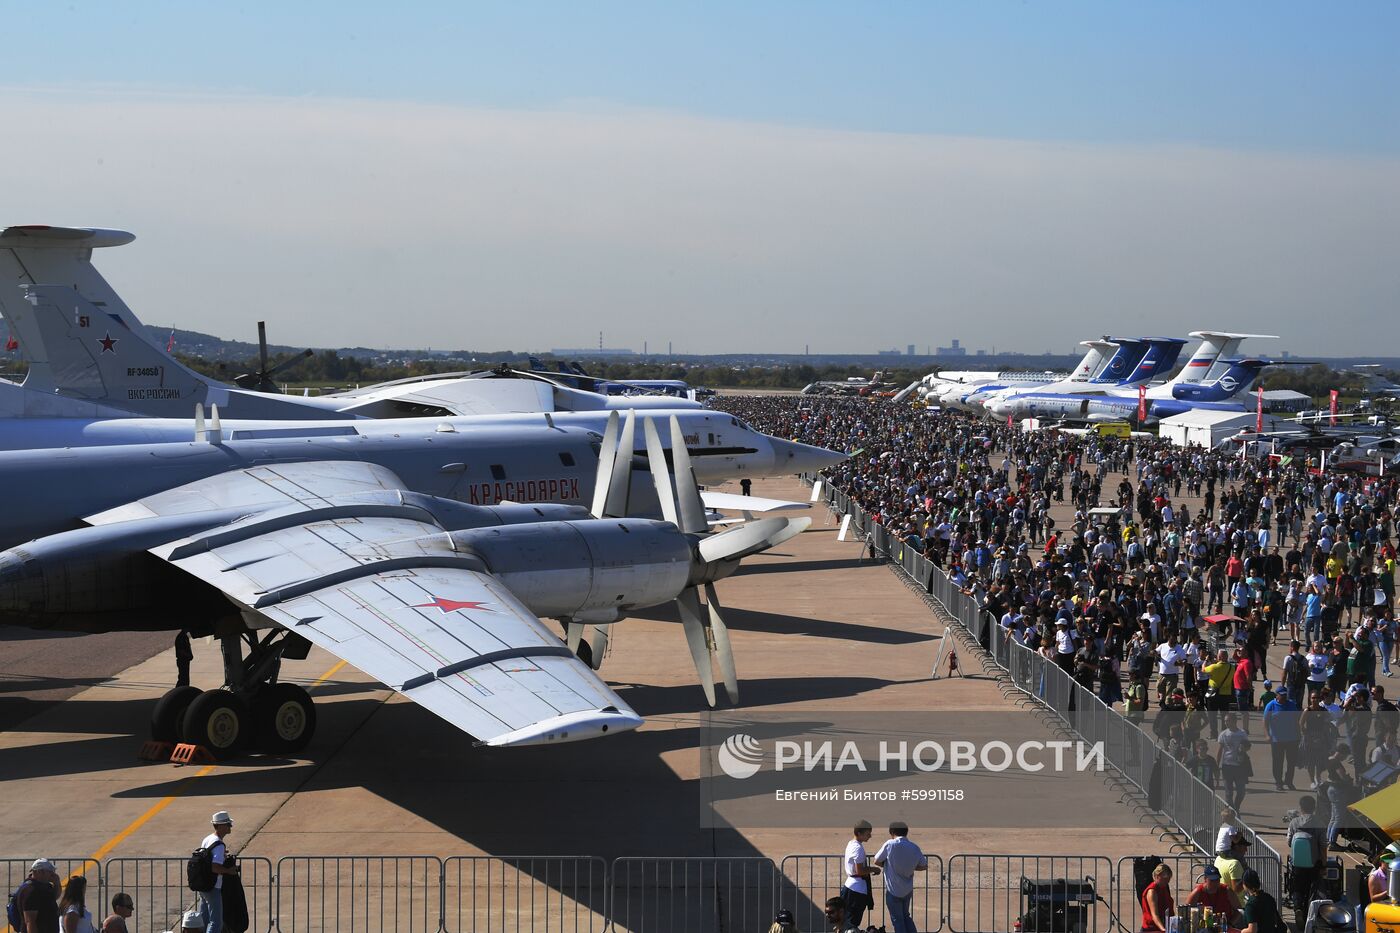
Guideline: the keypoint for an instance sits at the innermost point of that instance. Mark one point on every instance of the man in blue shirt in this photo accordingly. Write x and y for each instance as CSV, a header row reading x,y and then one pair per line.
x,y
1281,724
900,859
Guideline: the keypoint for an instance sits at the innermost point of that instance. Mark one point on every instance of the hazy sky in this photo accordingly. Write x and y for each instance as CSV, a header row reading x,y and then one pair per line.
x,y
728,177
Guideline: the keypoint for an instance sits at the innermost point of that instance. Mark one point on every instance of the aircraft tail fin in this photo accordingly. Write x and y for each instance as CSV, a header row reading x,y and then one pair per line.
x,y
1160,358
1123,362
1239,376
81,350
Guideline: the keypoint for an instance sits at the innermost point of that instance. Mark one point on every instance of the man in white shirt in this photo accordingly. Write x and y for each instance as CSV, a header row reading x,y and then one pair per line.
x,y
856,891
900,858
211,903
1170,658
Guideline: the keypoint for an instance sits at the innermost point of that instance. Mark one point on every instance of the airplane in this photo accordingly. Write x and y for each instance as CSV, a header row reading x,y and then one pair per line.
x,y
1372,382
855,385
573,373
1205,364
1129,360
89,355
366,550
1161,402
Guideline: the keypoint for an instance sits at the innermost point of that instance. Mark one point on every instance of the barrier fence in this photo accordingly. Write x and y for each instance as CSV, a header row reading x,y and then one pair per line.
x,y
573,894
816,873
1171,789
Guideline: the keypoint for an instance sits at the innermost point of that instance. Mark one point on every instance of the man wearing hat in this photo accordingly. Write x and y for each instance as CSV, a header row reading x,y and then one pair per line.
x,y
37,898
1281,717
211,903
1211,893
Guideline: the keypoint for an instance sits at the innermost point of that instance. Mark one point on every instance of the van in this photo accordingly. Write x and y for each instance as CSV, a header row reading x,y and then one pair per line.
x,y
1113,429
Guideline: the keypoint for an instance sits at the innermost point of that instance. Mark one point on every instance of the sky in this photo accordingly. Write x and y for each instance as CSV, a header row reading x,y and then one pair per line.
x,y
725,177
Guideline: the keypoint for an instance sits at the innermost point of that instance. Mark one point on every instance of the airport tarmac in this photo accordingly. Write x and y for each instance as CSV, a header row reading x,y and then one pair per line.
x,y
814,629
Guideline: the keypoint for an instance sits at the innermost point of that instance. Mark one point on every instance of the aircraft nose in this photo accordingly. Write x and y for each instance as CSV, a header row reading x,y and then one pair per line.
x,y
792,457
1000,409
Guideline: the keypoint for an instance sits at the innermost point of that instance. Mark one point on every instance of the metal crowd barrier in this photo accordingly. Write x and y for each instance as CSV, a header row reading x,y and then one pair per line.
x,y
1171,789
681,895
808,880
550,894
569,894
158,886
376,894
1060,893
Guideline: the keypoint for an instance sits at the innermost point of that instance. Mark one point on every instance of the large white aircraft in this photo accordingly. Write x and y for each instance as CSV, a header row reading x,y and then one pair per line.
x,y
93,359
1207,365
1107,361
364,547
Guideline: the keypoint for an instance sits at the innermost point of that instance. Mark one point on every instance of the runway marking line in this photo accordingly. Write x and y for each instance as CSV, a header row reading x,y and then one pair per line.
x,y
178,792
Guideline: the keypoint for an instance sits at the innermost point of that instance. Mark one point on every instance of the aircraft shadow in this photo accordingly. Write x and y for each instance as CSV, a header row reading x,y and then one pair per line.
x,y
752,620
831,563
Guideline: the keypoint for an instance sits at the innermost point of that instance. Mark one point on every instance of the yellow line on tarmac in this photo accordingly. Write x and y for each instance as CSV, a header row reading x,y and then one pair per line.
x,y
326,676
179,791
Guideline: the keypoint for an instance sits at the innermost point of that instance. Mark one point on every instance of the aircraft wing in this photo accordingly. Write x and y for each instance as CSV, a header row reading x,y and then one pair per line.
x,y
382,587
739,503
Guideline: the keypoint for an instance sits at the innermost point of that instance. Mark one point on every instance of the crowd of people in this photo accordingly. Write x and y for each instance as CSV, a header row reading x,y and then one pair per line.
x,y
1166,580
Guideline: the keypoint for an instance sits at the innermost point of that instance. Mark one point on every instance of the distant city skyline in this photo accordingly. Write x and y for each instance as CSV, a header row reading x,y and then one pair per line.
x,y
725,176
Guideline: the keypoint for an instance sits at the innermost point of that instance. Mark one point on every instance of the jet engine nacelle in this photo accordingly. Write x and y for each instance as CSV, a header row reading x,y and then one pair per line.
x,y
568,568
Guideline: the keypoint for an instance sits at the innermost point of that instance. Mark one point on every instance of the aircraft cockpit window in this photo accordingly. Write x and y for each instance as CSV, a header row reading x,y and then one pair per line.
x,y
566,458
498,472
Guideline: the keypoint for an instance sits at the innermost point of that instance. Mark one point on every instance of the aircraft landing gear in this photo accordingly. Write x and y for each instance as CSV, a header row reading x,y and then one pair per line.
x,y
252,711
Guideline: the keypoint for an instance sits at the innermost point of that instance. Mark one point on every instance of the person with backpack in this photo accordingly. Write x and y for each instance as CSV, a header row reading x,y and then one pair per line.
x,y
208,866
33,907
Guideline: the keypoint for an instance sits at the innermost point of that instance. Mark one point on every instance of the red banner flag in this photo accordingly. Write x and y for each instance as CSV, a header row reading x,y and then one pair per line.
x,y
170,344
12,344
1332,417
1142,404
1259,419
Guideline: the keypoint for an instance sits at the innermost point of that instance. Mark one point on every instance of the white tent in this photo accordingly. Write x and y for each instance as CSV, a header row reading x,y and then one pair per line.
x,y
1206,428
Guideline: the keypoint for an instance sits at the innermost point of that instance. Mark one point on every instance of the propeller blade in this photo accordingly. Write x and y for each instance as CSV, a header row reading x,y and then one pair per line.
x,y
599,643
750,538
621,483
606,453
692,510
689,604
656,458
723,652
573,635
262,348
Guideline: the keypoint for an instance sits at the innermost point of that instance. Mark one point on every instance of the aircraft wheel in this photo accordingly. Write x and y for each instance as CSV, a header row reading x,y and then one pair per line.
x,y
585,652
218,720
169,712
285,717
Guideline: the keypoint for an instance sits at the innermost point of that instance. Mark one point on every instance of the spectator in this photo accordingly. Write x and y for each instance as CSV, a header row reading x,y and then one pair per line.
x,y
36,899
1211,893
836,916
901,859
1282,727
1260,914
1233,758
73,915
211,903
1307,848
1157,903
122,909
856,889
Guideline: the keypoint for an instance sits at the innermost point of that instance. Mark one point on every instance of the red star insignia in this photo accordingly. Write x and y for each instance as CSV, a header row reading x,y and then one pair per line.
x,y
109,343
444,605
